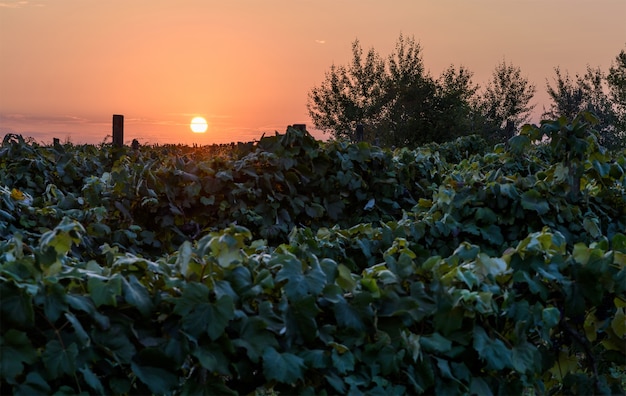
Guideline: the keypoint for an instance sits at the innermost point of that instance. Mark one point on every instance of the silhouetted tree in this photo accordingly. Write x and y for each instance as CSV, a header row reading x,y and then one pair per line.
x,y
410,96
616,80
396,98
456,103
593,92
350,95
505,103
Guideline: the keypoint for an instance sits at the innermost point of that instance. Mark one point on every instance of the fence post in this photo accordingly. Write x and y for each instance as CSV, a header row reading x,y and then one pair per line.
x,y
118,130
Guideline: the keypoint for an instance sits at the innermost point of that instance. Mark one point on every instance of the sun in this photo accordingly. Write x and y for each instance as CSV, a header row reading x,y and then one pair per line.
x,y
198,125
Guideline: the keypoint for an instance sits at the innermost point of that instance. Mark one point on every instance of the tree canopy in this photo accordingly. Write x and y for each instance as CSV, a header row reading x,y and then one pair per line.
x,y
601,94
395,98
396,101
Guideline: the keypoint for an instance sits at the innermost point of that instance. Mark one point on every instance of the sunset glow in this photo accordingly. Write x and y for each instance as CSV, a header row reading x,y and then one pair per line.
x,y
198,125
67,66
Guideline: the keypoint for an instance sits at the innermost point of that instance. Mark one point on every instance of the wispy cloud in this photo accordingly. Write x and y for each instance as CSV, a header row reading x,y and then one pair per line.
x,y
320,41
45,119
19,4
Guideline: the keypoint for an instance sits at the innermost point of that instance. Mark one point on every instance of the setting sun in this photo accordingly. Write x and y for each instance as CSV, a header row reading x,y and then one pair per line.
x,y
199,125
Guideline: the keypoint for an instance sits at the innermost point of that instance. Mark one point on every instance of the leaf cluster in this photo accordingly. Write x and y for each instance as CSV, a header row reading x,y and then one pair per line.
x,y
448,269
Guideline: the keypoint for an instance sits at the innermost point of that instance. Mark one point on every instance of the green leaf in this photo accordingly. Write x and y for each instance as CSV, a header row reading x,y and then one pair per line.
x,y
343,362
159,380
194,293
592,227
492,234
551,317
421,375
282,367
344,278
211,318
478,386
59,360
17,306
255,337
116,342
619,242
523,358
493,352
314,358
435,343
211,357
299,283
54,301
136,295
85,304
334,208
34,384
314,210
105,292
79,331
532,200
15,350
92,380
348,316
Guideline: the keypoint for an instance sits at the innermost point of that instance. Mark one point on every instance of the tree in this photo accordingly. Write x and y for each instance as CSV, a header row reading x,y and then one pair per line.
x,y
592,92
505,103
567,97
616,80
396,99
350,95
410,96
455,104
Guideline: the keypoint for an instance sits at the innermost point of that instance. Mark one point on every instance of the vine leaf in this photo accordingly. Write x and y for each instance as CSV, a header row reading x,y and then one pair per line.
x,y
15,349
137,295
282,367
493,352
299,284
59,360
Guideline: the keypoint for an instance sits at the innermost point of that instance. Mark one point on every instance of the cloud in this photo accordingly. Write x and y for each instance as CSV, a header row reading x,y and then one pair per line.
x,y
43,119
18,4
320,41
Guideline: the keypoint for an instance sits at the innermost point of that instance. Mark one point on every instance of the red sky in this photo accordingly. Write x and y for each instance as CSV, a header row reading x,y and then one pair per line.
x,y
66,66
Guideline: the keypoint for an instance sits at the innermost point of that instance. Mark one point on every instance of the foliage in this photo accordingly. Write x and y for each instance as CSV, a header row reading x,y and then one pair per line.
x,y
505,102
596,92
350,95
396,99
448,269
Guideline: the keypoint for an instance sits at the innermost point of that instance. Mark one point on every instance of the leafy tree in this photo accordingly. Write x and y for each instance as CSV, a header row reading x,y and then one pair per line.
x,y
455,105
567,96
410,96
350,94
590,92
397,100
616,80
505,103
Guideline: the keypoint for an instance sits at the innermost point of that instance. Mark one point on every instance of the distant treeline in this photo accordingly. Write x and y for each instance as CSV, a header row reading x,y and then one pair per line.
x,y
395,101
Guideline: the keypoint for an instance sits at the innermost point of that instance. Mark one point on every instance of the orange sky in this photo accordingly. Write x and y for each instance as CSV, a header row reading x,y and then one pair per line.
x,y
66,66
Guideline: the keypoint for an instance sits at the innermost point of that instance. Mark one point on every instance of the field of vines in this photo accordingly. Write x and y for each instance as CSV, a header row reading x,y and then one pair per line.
x,y
293,266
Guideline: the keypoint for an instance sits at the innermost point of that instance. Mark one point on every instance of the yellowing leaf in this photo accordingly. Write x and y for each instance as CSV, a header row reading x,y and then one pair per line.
x,y
591,327
424,203
581,253
618,324
17,195
619,258
619,303
565,364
